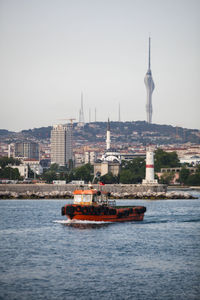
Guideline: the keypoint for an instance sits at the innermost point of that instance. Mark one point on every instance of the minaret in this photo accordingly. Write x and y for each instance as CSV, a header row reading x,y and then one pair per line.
x,y
108,135
148,80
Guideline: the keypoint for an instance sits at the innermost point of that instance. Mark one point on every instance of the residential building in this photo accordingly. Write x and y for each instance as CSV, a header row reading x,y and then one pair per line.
x,y
23,170
61,144
26,150
34,165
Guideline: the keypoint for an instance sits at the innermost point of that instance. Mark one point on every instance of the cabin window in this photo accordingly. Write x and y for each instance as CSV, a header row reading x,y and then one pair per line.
x,y
77,198
87,198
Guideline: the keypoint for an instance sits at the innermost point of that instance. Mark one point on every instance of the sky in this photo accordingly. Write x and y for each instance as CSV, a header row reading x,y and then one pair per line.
x,y
51,51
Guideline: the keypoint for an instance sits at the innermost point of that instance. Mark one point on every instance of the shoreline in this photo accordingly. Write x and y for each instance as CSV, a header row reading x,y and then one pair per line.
x,y
6,195
184,188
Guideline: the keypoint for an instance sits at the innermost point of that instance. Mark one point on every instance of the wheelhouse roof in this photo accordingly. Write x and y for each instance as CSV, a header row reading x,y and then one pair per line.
x,y
85,192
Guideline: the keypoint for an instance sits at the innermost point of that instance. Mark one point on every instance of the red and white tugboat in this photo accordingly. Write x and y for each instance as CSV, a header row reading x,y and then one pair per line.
x,y
93,205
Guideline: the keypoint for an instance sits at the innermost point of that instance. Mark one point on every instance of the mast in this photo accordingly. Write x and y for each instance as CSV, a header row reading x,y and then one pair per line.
x,y
81,113
119,119
149,53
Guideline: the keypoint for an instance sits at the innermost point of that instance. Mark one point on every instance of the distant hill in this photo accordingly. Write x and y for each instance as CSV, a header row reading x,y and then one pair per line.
x,y
121,132
4,132
39,133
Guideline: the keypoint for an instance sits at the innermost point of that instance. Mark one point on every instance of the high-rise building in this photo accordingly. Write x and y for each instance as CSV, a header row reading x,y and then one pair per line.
x,y
148,80
61,144
27,150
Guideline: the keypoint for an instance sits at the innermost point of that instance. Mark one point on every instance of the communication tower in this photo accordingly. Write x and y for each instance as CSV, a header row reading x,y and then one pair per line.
x,y
148,80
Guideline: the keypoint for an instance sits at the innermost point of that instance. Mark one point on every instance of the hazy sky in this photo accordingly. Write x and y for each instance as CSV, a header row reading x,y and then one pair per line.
x,y
51,50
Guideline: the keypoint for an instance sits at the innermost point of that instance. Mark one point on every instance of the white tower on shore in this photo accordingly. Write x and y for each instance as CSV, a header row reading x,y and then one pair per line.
x,y
149,179
108,136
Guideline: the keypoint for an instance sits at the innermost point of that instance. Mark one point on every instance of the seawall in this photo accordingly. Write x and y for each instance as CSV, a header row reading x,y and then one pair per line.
x,y
65,191
112,188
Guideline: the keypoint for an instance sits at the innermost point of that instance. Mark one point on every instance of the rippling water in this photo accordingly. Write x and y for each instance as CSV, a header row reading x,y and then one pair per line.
x,y
45,256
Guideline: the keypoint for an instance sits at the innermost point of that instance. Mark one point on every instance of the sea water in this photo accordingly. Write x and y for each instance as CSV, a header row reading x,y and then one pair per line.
x,y
45,256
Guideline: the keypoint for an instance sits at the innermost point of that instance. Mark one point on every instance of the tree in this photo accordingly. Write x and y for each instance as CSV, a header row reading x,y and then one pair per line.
x,y
84,172
166,178
165,160
133,171
54,167
183,176
10,173
109,178
4,161
49,176
194,179
126,176
30,172
63,176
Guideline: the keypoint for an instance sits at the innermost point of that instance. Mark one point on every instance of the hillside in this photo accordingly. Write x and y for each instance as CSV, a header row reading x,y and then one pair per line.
x,y
121,132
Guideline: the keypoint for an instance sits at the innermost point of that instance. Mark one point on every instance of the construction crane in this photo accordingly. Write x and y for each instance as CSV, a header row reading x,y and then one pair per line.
x,y
71,120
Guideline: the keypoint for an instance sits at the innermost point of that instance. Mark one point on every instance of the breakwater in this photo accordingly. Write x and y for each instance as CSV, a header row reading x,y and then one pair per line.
x,y
65,191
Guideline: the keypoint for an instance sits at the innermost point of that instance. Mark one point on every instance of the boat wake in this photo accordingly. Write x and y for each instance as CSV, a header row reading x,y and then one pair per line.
x,y
80,224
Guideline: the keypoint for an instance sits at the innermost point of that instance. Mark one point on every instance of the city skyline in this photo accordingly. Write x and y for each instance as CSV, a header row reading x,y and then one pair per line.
x,y
52,51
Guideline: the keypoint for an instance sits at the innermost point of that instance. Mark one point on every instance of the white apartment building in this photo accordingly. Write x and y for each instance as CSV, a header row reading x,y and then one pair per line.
x,y
61,144
90,157
34,165
23,170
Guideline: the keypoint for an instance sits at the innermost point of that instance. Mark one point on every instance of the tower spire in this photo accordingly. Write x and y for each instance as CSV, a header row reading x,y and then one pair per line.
x,y
149,53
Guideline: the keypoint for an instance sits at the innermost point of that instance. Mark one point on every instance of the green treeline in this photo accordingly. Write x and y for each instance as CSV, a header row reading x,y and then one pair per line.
x,y
132,172
187,178
6,172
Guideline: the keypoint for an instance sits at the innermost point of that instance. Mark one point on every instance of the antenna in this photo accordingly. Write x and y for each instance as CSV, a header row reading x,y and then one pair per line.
x,y
95,115
89,115
119,114
149,53
81,114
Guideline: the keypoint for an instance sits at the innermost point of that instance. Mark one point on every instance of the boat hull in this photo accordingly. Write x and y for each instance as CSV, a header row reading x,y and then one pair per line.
x,y
103,213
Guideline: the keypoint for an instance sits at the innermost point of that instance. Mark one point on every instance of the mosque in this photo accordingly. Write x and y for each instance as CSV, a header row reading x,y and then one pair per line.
x,y
110,160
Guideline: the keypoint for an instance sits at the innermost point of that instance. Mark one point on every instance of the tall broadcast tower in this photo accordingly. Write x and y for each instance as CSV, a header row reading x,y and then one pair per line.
x,y
81,113
148,80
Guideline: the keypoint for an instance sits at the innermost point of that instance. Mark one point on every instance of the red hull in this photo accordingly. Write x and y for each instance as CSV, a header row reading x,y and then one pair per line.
x,y
103,213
